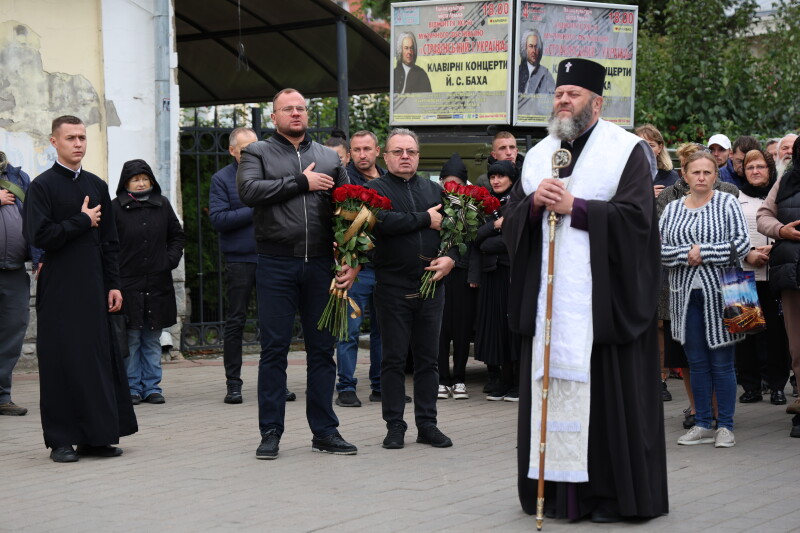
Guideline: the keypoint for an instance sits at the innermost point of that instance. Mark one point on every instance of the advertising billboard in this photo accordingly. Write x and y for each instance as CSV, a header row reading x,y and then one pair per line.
x,y
549,31
450,63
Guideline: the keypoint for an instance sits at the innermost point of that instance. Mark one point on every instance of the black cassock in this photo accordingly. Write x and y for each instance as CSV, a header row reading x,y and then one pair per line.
x,y
627,453
84,388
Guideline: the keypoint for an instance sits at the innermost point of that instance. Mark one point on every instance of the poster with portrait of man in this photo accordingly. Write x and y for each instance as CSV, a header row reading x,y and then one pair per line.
x,y
450,63
548,31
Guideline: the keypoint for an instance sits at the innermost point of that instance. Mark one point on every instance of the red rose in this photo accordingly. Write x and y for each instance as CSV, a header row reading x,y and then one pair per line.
x,y
340,194
490,205
365,196
475,192
387,204
450,186
354,191
461,189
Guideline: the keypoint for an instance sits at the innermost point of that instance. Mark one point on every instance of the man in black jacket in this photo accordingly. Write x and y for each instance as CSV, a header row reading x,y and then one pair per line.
x,y
288,180
407,243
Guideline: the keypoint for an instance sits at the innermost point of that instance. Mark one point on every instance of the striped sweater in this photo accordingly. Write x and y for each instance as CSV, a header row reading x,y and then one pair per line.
x,y
716,227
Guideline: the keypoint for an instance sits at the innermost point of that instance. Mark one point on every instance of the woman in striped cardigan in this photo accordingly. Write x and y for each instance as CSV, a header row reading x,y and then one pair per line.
x,y
698,235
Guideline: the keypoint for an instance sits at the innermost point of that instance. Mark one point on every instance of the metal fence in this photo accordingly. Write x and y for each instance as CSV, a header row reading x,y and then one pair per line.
x,y
204,151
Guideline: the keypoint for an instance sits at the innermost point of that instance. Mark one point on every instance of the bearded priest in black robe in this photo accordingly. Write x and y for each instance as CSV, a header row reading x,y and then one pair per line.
x,y
85,399
605,456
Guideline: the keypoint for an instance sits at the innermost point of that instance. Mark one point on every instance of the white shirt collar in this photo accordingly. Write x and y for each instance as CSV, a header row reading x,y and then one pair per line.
x,y
76,172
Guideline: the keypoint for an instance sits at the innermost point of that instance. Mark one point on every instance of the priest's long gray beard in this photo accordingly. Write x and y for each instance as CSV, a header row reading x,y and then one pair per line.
x,y
568,129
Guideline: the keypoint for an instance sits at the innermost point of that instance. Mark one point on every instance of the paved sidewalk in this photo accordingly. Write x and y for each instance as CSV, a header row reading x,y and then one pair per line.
x,y
192,468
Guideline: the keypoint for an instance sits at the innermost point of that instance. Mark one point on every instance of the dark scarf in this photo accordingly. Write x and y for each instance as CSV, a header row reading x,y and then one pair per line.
x,y
141,196
756,192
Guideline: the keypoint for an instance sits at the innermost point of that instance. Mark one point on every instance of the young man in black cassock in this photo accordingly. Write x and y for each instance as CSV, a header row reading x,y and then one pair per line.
x,y
605,456
84,391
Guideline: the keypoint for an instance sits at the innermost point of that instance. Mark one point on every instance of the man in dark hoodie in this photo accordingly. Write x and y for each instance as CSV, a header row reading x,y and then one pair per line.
x,y
14,280
151,245
407,245
364,152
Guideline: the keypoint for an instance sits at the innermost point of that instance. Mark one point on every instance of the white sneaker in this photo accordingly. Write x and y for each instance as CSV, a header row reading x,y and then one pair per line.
x,y
697,435
724,438
460,392
444,392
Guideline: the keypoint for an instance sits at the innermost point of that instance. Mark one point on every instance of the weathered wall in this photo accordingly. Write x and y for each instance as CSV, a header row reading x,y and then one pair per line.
x,y
52,64
93,59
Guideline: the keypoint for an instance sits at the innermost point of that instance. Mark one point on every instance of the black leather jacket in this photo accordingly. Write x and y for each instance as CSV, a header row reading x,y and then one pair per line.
x,y
289,220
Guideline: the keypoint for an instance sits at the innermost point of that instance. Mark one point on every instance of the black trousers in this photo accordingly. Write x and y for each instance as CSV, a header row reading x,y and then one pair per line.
x,y
240,280
409,322
766,354
458,326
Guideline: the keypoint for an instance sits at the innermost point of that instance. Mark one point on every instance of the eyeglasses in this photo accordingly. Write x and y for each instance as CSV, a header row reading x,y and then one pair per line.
x,y
755,167
290,108
399,152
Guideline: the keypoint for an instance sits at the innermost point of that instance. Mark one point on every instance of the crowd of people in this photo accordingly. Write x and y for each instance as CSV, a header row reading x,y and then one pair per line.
x,y
561,306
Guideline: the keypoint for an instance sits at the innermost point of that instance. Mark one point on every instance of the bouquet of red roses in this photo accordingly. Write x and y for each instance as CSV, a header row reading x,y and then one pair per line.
x,y
354,213
464,207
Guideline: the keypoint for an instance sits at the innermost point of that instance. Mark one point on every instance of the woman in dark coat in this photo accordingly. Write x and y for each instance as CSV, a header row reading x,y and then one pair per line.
x,y
151,244
458,317
778,218
495,345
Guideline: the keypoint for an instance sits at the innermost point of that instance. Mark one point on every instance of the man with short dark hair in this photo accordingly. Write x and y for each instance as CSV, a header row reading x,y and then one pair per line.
x,y
234,222
288,180
407,240
85,398
363,168
14,280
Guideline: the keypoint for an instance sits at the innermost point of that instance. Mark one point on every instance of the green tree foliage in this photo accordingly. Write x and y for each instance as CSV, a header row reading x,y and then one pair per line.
x,y
701,69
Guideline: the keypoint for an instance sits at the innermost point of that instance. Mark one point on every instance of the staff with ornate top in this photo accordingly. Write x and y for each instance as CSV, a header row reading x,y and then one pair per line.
x,y
589,365
561,159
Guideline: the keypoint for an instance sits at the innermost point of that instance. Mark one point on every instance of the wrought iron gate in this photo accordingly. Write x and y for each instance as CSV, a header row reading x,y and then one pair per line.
x,y
203,151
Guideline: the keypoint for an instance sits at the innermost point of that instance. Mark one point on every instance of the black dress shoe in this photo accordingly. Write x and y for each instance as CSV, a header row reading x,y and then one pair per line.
x,y
136,399
777,398
100,451
63,454
605,516
795,432
290,396
334,444
750,397
155,398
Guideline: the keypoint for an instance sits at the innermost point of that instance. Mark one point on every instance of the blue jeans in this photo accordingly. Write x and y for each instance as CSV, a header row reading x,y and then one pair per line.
x,y
240,279
284,285
143,365
712,370
347,351
14,313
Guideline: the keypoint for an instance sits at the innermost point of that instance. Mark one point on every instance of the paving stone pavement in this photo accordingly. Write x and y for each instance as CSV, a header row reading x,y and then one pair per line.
x,y
192,468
